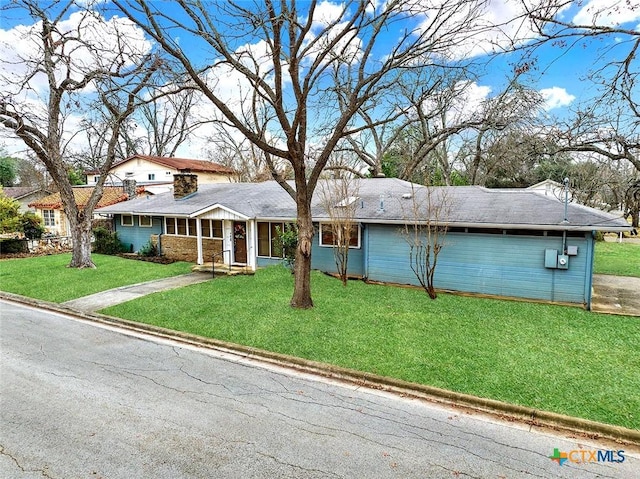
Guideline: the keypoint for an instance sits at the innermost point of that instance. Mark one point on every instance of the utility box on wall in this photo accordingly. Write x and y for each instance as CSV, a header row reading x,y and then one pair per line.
x,y
563,261
553,260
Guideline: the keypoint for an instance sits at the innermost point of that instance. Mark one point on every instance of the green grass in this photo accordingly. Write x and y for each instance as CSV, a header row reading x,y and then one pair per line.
x,y
555,358
48,278
622,259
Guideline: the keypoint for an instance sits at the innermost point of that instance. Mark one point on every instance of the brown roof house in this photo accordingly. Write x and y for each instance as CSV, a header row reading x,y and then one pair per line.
x,y
51,209
25,195
156,172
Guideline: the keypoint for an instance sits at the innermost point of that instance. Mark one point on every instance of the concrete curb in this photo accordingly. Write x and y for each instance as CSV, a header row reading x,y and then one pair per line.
x,y
534,417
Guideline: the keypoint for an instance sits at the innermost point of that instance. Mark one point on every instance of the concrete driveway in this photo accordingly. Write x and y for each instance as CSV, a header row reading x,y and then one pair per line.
x,y
616,295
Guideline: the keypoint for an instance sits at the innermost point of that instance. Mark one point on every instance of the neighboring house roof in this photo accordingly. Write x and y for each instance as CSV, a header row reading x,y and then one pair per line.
x,y
387,200
111,195
19,192
543,184
178,164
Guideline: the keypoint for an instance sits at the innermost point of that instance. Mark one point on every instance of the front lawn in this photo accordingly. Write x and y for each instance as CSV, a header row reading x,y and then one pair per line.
x,y
555,358
48,278
622,259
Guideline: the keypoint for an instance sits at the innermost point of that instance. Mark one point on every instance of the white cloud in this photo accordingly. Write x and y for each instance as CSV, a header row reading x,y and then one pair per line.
x,y
556,97
607,13
470,29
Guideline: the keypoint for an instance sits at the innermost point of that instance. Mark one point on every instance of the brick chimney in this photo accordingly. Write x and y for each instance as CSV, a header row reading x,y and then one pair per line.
x,y
129,187
185,183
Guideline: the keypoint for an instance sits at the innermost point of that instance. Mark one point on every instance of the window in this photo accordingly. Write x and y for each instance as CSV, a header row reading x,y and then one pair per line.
x,y
151,176
145,221
126,220
327,237
96,178
268,244
189,227
211,228
170,226
181,226
192,227
49,217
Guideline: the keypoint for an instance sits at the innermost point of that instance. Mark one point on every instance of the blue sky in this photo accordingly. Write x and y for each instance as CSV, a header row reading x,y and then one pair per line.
x,y
558,74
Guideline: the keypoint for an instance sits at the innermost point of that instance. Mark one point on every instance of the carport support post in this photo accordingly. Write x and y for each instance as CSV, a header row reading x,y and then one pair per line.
x,y
199,241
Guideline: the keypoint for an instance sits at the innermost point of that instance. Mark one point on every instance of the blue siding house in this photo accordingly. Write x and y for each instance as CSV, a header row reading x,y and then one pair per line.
x,y
510,243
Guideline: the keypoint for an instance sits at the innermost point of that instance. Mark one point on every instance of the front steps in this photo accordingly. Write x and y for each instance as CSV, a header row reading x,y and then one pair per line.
x,y
222,269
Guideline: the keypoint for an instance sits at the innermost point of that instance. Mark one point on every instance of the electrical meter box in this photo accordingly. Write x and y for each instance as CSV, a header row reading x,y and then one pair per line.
x,y
551,258
563,261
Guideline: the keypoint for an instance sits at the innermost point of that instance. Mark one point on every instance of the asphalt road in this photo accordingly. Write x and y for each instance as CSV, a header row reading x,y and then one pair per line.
x,y
84,401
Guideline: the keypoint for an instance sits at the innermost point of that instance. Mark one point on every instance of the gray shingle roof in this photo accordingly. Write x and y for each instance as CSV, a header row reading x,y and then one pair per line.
x,y
470,206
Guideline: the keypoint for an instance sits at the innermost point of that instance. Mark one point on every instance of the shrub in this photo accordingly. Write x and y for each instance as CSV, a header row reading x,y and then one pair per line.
x,y
13,245
32,226
107,242
9,214
148,250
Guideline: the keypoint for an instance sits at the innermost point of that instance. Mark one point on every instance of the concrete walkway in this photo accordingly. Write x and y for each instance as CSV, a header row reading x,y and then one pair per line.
x,y
111,297
616,295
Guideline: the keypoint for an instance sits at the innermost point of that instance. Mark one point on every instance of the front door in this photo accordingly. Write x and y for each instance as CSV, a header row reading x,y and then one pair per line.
x,y
240,242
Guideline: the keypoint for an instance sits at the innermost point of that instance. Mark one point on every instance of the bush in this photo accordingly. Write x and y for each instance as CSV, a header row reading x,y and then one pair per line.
x,y
13,245
148,250
32,226
107,242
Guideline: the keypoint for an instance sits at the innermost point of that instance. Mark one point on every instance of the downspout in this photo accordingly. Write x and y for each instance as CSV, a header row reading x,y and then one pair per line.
x,y
566,215
365,252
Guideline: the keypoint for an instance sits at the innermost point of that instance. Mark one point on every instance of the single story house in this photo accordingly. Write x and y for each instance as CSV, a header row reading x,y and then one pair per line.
x,y
51,208
513,243
156,172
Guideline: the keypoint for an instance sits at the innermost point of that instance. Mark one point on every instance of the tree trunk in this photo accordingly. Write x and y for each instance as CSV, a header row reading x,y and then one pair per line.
x,y
302,268
80,225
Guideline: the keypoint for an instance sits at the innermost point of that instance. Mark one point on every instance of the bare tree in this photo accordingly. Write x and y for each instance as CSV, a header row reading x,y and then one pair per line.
x,y
609,123
281,60
339,198
71,57
235,151
161,126
424,231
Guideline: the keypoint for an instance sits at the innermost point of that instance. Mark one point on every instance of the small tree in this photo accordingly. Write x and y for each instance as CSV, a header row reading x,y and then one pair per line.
x,y
9,214
287,242
339,200
8,170
424,231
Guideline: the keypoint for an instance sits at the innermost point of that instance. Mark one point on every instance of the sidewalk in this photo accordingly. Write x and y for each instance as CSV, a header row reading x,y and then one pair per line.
x,y
111,297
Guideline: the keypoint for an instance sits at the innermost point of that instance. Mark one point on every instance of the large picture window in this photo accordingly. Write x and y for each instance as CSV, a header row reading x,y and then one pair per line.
x,y
268,244
327,236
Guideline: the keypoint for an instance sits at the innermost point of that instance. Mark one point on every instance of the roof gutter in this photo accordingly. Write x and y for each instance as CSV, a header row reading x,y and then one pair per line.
x,y
506,226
